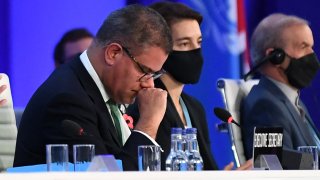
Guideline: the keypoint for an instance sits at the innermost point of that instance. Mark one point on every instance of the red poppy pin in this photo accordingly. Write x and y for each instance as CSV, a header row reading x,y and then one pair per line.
x,y
129,120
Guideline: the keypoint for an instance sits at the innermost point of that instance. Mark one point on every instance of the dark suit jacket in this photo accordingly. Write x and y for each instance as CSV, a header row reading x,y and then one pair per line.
x,y
266,105
70,93
172,119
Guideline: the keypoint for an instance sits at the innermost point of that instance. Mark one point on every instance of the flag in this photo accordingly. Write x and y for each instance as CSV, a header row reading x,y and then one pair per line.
x,y
243,41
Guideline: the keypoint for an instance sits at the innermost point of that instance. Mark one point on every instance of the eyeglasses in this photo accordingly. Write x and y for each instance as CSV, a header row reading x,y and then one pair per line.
x,y
148,73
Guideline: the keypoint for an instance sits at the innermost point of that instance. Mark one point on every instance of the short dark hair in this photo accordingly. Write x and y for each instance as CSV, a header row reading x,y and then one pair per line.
x,y
135,27
173,12
70,36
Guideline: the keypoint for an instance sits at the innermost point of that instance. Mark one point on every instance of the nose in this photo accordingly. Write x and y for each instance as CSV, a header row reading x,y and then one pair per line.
x,y
310,51
149,83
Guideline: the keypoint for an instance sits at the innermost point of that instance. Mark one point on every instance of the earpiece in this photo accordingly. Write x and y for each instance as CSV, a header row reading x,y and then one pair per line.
x,y
276,57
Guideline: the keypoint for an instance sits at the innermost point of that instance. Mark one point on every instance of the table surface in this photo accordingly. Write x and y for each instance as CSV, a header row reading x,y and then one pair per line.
x,y
202,175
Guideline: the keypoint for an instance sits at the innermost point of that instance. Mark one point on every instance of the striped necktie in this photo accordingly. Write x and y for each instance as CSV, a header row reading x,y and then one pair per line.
x,y
115,113
301,111
307,123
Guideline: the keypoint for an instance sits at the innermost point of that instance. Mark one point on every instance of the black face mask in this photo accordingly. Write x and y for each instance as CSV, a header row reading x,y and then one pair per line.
x,y
301,72
185,66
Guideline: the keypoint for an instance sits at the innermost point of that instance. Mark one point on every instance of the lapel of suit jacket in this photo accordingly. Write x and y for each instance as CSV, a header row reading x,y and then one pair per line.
x,y
93,92
304,131
309,119
295,116
171,112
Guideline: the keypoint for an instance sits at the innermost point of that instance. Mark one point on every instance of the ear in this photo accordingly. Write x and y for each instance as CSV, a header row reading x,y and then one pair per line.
x,y
112,52
268,51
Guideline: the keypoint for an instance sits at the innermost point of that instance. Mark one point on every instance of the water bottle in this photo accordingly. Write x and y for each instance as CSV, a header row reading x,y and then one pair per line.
x,y
176,160
184,140
195,162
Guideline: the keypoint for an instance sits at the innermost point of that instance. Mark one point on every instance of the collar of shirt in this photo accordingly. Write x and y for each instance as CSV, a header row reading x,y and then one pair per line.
x,y
87,64
289,92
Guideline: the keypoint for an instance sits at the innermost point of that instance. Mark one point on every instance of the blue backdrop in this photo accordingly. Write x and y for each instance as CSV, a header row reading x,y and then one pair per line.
x,y
31,28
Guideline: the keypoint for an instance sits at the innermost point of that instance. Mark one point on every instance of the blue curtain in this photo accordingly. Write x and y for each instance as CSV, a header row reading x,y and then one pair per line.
x,y
4,42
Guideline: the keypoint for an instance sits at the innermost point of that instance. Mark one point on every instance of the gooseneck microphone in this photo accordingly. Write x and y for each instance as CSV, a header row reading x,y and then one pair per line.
x,y
71,128
225,116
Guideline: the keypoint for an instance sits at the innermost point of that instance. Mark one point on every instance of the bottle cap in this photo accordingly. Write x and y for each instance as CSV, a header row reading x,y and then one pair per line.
x,y
192,131
176,130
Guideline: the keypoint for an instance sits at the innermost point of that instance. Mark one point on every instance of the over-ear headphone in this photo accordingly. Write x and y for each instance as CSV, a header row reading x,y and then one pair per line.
x,y
276,57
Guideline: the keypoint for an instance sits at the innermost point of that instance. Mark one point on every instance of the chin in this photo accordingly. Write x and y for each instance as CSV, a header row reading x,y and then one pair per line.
x,y
124,101
130,102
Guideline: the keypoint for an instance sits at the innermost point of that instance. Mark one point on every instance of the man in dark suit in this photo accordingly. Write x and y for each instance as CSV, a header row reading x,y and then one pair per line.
x,y
285,45
125,56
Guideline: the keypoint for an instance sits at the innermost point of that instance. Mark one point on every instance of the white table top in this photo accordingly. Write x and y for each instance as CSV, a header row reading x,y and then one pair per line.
x,y
203,175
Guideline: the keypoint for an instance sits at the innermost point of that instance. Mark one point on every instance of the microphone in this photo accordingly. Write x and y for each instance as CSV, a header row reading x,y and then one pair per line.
x,y
225,116
71,128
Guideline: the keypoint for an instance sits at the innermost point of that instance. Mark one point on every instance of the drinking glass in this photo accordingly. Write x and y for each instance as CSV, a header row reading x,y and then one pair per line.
x,y
149,158
82,156
57,157
314,151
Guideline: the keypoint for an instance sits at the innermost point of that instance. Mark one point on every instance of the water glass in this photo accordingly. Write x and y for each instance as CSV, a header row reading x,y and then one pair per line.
x,y
82,156
314,151
57,157
149,158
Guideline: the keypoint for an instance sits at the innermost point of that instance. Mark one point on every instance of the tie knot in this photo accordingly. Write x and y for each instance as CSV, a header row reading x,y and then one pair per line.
x,y
297,98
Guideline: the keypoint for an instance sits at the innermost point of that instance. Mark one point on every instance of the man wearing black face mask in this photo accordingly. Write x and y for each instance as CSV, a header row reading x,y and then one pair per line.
x,y
183,66
275,101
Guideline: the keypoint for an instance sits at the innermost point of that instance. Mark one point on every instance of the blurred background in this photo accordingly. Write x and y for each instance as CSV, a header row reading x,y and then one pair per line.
x,y
30,29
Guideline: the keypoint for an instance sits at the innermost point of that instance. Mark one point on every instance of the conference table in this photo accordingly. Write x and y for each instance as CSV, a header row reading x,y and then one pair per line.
x,y
163,175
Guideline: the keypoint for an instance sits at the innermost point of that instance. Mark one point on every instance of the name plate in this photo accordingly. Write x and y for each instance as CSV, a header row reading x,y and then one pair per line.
x,y
267,141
